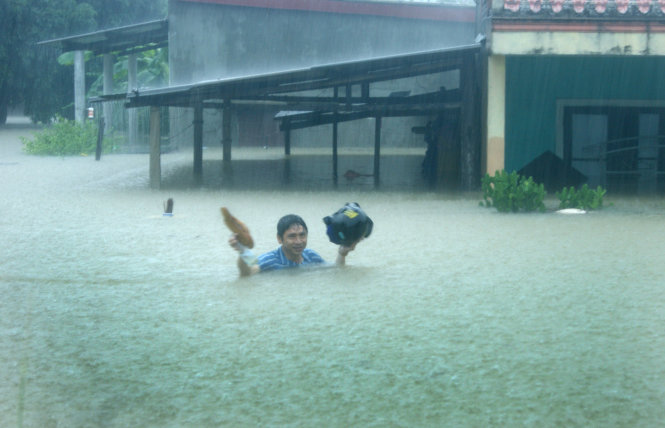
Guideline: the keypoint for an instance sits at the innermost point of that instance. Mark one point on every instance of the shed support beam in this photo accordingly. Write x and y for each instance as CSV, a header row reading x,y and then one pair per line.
x,y
469,127
198,141
226,131
132,113
365,91
334,151
79,86
155,151
108,89
287,139
334,138
377,149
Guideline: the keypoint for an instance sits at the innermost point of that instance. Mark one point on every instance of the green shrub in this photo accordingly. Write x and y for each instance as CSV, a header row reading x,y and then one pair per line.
x,y
512,192
584,198
65,138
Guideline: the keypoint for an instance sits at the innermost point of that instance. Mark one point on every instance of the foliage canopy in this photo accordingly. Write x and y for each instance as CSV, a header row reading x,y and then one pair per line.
x,y
30,74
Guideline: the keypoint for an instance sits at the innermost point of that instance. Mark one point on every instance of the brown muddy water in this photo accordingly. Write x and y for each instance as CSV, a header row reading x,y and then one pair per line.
x,y
448,315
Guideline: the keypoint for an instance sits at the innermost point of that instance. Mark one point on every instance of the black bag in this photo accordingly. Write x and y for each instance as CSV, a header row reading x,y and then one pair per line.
x,y
348,225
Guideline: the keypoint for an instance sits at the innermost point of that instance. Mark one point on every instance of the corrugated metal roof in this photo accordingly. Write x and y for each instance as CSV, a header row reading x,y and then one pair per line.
x,y
127,39
286,87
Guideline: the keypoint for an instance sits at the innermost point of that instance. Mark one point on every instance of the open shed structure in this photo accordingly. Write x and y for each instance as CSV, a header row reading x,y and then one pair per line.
x,y
570,84
251,72
329,94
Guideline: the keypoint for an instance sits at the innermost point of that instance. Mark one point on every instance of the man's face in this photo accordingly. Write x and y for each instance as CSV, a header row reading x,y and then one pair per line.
x,y
294,241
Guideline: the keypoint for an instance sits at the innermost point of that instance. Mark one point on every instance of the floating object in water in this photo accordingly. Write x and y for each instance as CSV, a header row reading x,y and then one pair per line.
x,y
351,174
571,211
238,227
168,208
348,225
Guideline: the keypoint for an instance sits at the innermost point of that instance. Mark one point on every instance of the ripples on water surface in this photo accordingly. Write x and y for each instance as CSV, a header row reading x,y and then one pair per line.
x,y
449,315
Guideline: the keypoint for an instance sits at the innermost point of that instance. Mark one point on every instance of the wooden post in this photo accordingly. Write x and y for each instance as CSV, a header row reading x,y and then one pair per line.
x,y
132,113
364,89
100,139
155,151
377,149
469,126
168,206
226,131
198,141
287,137
334,140
108,89
334,150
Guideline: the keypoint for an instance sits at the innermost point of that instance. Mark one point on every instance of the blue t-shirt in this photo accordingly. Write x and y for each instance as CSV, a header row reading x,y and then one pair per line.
x,y
276,260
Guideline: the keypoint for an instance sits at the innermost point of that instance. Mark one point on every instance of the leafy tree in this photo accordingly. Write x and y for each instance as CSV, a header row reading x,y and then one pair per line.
x,y
30,73
152,65
12,17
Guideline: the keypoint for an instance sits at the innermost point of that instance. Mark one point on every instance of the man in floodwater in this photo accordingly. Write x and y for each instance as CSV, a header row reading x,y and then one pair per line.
x,y
292,252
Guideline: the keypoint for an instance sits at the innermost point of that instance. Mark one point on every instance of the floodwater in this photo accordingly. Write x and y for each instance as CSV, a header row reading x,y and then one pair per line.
x,y
448,315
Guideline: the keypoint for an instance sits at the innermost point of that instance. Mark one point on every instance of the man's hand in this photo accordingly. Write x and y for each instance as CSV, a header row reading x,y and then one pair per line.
x,y
344,251
235,244
246,259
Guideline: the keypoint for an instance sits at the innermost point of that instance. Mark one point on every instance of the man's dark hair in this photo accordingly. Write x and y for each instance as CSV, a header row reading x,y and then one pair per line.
x,y
287,221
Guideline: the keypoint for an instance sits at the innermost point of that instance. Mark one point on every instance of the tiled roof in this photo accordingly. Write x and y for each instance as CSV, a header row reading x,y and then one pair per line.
x,y
585,8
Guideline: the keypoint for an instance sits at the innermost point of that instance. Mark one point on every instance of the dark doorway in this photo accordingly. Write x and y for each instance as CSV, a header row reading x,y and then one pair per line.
x,y
620,148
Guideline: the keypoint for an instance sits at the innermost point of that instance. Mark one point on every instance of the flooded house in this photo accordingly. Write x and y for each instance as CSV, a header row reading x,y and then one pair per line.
x,y
449,314
579,82
367,77
567,91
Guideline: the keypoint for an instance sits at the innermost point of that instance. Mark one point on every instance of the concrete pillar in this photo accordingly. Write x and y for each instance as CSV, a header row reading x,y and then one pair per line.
x,y
132,113
108,89
155,150
79,86
495,147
